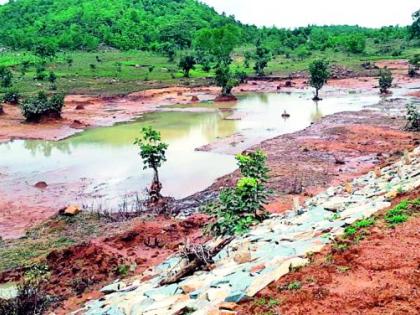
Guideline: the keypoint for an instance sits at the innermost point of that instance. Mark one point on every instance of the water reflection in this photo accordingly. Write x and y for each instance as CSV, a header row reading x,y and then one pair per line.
x,y
108,158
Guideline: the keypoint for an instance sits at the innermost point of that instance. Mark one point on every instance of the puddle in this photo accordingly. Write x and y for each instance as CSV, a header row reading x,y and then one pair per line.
x,y
107,161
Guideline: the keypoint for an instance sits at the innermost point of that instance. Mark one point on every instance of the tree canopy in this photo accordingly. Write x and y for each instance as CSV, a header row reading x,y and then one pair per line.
x,y
164,25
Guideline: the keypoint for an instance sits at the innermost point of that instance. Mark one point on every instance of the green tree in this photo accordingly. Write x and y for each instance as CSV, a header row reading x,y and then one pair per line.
x,y
355,43
187,63
225,79
153,154
319,75
385,80
45,50
415,27
219,42
6,77
262,57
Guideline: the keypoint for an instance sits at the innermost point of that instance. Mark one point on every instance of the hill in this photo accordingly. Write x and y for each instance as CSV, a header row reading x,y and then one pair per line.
x,y
122,24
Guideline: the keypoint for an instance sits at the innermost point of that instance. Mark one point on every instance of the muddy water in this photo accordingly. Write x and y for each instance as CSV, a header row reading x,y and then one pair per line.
x,y
105,165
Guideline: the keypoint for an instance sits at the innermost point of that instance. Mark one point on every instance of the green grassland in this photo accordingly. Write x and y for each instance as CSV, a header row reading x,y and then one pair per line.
x,y
121,72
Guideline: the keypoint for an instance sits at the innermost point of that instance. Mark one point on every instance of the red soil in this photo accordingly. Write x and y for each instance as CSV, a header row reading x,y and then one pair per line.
x,y
94,264
380,275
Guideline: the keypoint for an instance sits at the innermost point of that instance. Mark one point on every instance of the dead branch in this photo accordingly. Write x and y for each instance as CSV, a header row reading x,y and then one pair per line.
x,y
197,257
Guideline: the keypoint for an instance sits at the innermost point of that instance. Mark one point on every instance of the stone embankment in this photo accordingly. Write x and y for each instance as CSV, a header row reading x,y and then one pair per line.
x,y
269,251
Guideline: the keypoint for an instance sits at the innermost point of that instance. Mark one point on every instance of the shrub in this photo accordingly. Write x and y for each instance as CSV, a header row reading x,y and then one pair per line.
x,y
30,298
385,80
40,74
35,108
240,207
413,118
6,77
412,72
11,97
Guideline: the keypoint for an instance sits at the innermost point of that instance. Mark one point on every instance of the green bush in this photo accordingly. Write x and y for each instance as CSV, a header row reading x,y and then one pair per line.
x,y
413,118
240,207
35,108
11,97
385,80
6,77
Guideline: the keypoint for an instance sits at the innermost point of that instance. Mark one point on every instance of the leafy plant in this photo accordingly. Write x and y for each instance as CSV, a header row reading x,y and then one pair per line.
x,y
35,108
240,207
293,286
122,270
153,154
319,75
364,223
385,80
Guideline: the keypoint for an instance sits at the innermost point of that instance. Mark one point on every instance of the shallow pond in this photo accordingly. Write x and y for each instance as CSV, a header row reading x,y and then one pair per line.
x,y
106,160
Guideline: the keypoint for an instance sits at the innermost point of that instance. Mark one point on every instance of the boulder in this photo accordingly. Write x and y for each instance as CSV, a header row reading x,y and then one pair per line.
x,y
195,99
72,210
41,185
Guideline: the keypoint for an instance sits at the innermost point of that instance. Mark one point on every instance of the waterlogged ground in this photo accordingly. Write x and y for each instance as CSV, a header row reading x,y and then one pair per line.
x,y
100,166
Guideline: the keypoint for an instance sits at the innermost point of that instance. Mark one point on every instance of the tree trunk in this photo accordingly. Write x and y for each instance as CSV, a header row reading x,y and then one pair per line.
x,y
316,97
155,187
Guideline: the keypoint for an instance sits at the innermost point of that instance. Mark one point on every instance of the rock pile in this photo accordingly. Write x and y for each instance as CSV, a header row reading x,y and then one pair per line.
x,y
269,251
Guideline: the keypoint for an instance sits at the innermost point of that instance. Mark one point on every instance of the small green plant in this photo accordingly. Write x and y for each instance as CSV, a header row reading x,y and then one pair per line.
x,y
341,247
398,214
122,270
35,108
350,231
240,207
364,223
11,97
385,80
343,269
413,118
293,286
153,154
334,217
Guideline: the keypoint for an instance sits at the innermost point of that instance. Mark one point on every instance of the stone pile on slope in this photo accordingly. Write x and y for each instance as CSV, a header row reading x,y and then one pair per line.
x,y
267,252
